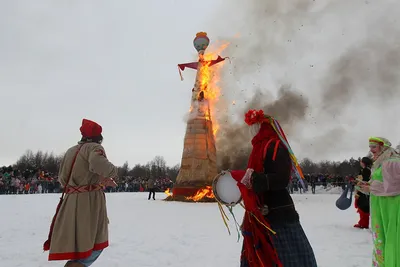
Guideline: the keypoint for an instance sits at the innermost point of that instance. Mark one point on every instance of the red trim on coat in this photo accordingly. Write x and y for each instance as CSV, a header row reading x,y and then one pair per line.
x,y
76,255
276,150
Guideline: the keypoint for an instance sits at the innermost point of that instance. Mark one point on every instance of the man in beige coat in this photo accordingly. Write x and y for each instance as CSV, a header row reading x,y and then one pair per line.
x,y
151,187
79,231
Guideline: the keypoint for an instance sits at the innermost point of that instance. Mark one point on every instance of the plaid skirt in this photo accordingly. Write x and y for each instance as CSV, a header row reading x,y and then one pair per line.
x,y
292,246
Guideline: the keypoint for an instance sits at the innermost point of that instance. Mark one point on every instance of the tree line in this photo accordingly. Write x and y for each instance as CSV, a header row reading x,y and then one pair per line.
x,y
157,168
31,162
338,168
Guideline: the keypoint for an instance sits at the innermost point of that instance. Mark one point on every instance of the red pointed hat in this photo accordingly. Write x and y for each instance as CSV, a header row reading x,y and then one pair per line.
x,y
90,128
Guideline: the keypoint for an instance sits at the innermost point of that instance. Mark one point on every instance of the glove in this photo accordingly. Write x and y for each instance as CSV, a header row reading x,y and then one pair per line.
x,y
247,178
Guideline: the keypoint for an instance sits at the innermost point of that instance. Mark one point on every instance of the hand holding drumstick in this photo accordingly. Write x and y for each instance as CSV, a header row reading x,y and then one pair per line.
x,y
362,186
109,182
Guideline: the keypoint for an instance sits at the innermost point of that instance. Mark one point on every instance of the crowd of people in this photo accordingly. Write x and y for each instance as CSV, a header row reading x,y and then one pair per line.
x,y
30,181
36,181
318,179
133,184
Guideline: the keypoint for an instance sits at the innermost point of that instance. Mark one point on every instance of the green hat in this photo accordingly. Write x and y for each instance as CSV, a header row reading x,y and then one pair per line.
x,y
379,141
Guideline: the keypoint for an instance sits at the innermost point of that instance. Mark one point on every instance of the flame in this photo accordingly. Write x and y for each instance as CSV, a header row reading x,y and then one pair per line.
x,y
168,192
215,128
202,193
209,79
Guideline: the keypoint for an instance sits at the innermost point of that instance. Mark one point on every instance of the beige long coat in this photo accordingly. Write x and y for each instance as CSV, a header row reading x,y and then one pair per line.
x,y
82,224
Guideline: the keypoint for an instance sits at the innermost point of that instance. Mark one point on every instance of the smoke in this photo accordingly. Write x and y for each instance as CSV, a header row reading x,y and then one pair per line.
x,y
342,57
233,138
370,69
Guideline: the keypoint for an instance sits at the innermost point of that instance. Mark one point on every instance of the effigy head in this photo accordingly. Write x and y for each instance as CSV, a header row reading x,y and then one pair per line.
x,y
201,41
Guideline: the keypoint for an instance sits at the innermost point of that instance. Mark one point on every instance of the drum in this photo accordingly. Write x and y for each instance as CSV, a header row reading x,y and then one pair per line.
x,y
225,189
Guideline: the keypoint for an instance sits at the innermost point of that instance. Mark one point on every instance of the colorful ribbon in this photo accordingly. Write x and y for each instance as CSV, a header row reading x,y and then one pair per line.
x,y
296,167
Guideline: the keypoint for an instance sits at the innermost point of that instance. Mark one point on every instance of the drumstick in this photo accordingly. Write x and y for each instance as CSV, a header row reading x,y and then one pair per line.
x,y
113,181
361,181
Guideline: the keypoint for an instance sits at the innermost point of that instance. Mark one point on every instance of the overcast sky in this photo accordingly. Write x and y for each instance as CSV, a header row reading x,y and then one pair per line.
x,y
115,62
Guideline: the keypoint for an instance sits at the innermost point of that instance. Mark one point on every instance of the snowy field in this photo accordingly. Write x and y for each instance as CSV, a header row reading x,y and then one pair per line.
x,y
158,234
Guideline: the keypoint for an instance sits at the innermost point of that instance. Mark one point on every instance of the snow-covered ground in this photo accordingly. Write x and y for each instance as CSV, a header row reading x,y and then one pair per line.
x,y
158,234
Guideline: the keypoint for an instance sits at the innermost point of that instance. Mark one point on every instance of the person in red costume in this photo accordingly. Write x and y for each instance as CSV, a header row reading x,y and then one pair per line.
x,y
362,199
273,235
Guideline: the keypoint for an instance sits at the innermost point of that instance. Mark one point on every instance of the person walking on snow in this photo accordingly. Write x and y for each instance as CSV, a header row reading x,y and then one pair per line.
x,y
313,184
79,230
151,188
268,203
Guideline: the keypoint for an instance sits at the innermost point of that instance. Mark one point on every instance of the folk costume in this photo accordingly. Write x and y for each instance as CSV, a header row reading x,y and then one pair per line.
x,y
362,199
385,202
79,230
273,235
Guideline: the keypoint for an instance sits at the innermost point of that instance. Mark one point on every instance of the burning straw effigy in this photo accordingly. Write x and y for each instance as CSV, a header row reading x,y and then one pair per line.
x,y
199,159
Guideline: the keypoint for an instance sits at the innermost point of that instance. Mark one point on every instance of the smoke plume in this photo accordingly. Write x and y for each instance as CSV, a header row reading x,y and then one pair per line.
x,y
234,139
342,58
369,69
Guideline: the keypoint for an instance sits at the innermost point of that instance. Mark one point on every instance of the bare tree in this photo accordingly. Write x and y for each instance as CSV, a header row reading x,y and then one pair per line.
x,y
124,170
158,167
308,166
138,171
173,172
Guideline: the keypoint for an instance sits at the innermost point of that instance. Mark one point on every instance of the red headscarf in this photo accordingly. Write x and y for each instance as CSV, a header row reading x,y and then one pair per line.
x,y
264,137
